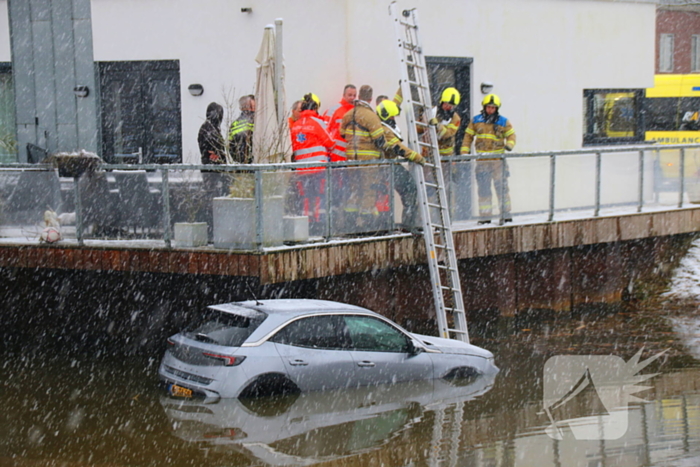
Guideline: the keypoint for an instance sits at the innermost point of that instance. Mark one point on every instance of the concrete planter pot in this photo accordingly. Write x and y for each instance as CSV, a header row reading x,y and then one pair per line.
x,y
235,222
190,234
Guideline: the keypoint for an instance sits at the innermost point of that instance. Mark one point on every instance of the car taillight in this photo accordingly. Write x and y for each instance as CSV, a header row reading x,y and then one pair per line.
x,y
229,360
170,341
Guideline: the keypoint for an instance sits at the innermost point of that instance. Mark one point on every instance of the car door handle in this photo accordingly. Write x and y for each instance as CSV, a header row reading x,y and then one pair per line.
x,y
365,364
298,362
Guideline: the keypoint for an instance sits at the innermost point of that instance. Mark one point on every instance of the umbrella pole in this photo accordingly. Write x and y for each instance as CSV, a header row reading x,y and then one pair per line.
x,y
279,61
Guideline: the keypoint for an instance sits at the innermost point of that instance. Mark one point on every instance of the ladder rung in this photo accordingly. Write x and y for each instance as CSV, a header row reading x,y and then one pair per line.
x,y
412,47
417,84
439,206
447,268
458,331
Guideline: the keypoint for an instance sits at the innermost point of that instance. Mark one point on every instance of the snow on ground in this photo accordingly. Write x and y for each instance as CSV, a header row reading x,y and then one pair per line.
x,y
685,285
686,279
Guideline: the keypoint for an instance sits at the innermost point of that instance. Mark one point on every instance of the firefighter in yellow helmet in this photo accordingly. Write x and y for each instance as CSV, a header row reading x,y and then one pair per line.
x,y
446,120
362,128
404,184
491,133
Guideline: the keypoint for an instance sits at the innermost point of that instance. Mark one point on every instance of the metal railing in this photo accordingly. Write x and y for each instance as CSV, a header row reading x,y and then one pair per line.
x,y
544,186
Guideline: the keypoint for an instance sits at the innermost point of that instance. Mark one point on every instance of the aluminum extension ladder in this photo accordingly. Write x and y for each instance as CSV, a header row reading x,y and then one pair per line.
x,y
437,229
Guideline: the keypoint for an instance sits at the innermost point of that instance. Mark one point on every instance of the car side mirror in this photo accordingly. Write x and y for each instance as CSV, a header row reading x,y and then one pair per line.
x,y
413,348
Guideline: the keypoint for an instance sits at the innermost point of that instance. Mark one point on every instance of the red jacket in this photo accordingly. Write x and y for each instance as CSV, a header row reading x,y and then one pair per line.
x,y
310,140
338,111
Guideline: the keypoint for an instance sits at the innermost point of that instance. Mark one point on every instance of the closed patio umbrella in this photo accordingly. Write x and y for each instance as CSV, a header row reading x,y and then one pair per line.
x,y
271,143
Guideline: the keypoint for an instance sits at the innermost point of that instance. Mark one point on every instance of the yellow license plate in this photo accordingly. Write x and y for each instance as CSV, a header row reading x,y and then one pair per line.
x,y
179,391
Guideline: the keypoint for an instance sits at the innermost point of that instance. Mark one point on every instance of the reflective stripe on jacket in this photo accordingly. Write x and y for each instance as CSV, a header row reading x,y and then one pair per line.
x,y
337,113
446,131
310,140
488,138
363,131
394,147
241,138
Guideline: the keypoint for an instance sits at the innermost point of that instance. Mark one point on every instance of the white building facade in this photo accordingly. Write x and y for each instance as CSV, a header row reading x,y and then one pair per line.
x,y
540,55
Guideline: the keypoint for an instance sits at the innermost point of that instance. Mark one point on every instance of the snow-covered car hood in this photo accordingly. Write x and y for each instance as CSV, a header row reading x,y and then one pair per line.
x,y
452,346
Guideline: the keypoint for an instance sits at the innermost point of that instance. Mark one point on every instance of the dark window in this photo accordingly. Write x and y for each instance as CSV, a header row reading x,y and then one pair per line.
x,y
8,146
317,332
613,116
367,333
221,328
672,113
141,109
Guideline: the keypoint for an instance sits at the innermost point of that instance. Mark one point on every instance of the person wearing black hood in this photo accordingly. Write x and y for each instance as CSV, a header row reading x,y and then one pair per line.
x,y
213,151
211,143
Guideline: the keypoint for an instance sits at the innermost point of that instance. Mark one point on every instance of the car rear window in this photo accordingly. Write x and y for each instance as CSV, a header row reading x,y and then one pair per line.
x,y
229,329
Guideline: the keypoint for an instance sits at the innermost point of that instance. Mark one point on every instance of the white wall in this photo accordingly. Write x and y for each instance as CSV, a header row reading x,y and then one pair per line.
x,y
217,44
540,54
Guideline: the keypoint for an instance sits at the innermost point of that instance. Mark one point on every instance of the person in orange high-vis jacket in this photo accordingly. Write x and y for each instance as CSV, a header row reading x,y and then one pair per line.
x,y
311,143
335,116
491,133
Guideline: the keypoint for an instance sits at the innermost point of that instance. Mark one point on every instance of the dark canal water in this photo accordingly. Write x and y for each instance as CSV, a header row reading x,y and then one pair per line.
x,y
69,406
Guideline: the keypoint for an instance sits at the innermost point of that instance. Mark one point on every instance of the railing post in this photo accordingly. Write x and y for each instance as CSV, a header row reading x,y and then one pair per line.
x,y
392,206
598,158
552,184
681,179
78,212
329,195
258,209
658,175
640,202
502,191
165,193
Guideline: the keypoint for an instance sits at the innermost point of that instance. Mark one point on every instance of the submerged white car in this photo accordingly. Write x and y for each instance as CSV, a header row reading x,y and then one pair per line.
x,y
253,348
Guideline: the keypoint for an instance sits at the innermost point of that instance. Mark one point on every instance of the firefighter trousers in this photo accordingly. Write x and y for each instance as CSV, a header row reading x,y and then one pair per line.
x,y
488,172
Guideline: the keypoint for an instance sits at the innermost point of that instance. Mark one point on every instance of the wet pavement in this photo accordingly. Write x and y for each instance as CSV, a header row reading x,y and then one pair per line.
x,y
66,408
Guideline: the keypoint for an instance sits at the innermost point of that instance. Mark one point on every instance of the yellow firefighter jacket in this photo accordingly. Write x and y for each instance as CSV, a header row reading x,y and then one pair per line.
x,y
363,131
394,147
446,130
489,138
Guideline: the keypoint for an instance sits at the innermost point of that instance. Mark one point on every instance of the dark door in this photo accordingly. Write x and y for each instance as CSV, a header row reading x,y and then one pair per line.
x,y
445,72
140,103
8,148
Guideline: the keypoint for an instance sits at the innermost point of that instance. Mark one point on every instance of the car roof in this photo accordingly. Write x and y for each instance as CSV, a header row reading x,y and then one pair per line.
x,y
280,311
291,306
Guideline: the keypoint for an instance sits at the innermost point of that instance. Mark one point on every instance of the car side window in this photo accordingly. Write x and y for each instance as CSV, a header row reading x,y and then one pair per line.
x,y
316,332
367,333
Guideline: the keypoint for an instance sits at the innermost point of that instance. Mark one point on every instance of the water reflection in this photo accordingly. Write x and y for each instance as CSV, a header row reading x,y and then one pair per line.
x,y
315,427
65,410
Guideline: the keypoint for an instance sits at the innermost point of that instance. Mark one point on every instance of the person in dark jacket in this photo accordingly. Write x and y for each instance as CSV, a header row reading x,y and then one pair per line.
x,y
241,133
211,143
213,151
